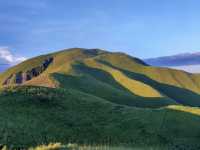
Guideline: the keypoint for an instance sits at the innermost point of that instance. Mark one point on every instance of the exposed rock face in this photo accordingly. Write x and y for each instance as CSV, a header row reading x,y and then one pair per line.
x,y
8,80
18,78
21,77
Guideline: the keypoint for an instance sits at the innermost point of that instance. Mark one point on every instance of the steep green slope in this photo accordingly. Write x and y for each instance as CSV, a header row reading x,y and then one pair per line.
x,y
163,75
90,85
178,94
35,115
95,96
115,76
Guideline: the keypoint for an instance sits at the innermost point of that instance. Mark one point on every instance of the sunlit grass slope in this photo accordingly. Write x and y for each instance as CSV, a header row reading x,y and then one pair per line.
x,y
137,83
162,75
94,96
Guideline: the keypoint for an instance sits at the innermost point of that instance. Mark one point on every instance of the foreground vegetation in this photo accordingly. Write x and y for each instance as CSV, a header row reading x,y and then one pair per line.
x,y
59,146
94,97
35,115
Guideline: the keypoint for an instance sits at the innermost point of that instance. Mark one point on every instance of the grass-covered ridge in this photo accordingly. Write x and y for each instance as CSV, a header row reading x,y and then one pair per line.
x,y
98,97
146,83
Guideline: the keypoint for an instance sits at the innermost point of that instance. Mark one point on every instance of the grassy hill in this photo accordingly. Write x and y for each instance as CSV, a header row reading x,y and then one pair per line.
x,y
96,72
95,96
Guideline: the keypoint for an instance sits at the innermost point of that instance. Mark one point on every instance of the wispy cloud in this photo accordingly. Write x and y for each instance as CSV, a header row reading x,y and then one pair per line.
x,y
7,57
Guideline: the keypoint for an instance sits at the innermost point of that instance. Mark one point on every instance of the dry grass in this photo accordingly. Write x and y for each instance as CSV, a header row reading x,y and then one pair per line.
x,y
192,110
51,146
132,85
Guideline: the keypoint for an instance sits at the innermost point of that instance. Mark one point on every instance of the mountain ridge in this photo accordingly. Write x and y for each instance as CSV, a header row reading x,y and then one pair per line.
x,y
142,81
93,96
189,62
175,60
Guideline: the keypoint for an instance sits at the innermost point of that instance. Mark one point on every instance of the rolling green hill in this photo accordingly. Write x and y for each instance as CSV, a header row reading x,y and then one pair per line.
x,y
114,76
96,96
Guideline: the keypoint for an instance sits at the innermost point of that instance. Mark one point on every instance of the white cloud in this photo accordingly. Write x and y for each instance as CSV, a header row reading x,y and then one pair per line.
x,y
7,57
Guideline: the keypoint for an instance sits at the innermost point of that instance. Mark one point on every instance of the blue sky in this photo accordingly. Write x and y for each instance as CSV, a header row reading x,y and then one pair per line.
x,y
143,28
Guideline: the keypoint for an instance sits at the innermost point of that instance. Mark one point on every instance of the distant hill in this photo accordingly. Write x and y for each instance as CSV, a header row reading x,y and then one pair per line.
x,y
188,61
109,73
97,96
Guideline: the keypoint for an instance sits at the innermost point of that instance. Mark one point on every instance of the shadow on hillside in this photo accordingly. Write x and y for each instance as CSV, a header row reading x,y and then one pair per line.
x,y
180,95
101,84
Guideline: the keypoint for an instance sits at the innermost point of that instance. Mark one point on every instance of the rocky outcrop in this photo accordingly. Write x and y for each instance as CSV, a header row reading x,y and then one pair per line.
x,y
21,77
8,80
18,78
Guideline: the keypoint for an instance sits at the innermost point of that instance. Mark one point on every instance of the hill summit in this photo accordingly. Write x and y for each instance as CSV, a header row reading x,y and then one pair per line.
x,y
92,96
107,74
